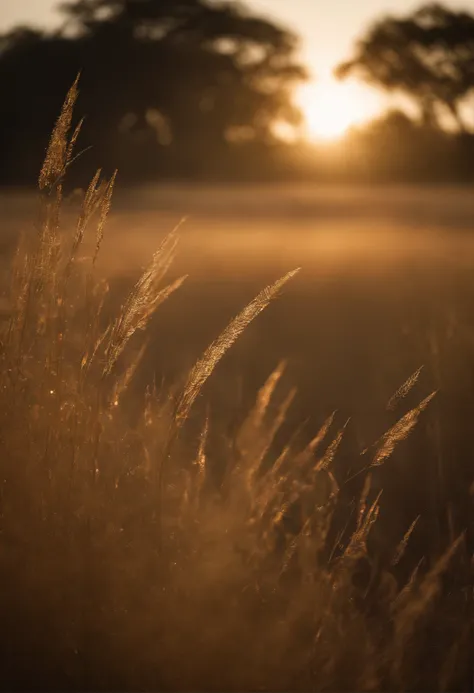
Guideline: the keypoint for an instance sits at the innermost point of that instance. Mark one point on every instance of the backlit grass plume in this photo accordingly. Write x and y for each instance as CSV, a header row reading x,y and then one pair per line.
x,y
399,432
142,301
213,354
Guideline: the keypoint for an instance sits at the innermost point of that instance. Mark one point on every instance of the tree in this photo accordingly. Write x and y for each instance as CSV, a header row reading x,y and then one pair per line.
x,y
428,55
210,73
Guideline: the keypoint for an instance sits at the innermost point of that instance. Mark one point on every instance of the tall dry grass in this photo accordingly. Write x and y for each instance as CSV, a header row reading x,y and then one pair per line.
x,y
133,557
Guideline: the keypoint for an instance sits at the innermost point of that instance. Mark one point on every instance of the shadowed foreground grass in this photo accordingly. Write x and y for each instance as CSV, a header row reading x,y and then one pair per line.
x,y
136,554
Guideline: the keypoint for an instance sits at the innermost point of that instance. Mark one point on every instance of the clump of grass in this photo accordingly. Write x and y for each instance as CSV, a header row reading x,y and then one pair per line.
x,y
259,584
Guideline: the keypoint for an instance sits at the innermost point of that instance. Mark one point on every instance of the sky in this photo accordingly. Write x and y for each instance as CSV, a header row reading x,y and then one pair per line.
x,y
328,29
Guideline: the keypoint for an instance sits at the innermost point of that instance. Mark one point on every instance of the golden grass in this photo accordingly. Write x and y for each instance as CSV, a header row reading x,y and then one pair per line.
x,y
249,589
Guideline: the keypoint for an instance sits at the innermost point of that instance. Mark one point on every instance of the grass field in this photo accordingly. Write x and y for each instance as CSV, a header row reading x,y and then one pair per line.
x,y
162,529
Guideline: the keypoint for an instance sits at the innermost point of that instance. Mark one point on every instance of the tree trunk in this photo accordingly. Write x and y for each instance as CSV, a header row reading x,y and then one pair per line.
x,y
453,108
429,117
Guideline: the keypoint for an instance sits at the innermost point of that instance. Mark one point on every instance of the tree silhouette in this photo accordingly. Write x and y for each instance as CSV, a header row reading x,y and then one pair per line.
x,y
171,83
428,55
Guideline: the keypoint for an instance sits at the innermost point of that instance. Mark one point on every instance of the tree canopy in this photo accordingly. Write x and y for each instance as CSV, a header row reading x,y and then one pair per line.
x,y
428,55
165,84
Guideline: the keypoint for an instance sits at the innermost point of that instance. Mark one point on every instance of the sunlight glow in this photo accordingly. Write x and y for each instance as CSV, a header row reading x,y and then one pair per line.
x,y
331,108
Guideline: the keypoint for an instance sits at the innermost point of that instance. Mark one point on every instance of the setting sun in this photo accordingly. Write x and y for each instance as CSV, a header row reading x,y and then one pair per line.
x,y
331,108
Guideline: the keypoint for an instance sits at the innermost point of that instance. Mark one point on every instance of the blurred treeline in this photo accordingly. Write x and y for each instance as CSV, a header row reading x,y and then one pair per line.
x,y
193,89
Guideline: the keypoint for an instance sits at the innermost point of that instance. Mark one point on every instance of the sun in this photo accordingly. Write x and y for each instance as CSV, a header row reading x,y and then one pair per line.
x,y
331,108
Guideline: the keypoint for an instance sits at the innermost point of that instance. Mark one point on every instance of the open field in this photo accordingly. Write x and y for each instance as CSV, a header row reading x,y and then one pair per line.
x,y
386,286
385,272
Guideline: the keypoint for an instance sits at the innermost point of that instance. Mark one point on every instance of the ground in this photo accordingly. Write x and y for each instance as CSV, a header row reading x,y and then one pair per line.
x,y
386,286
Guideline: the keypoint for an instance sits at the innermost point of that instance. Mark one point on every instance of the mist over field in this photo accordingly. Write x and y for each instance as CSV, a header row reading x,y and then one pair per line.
x,y
315,222
375,261
385,283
